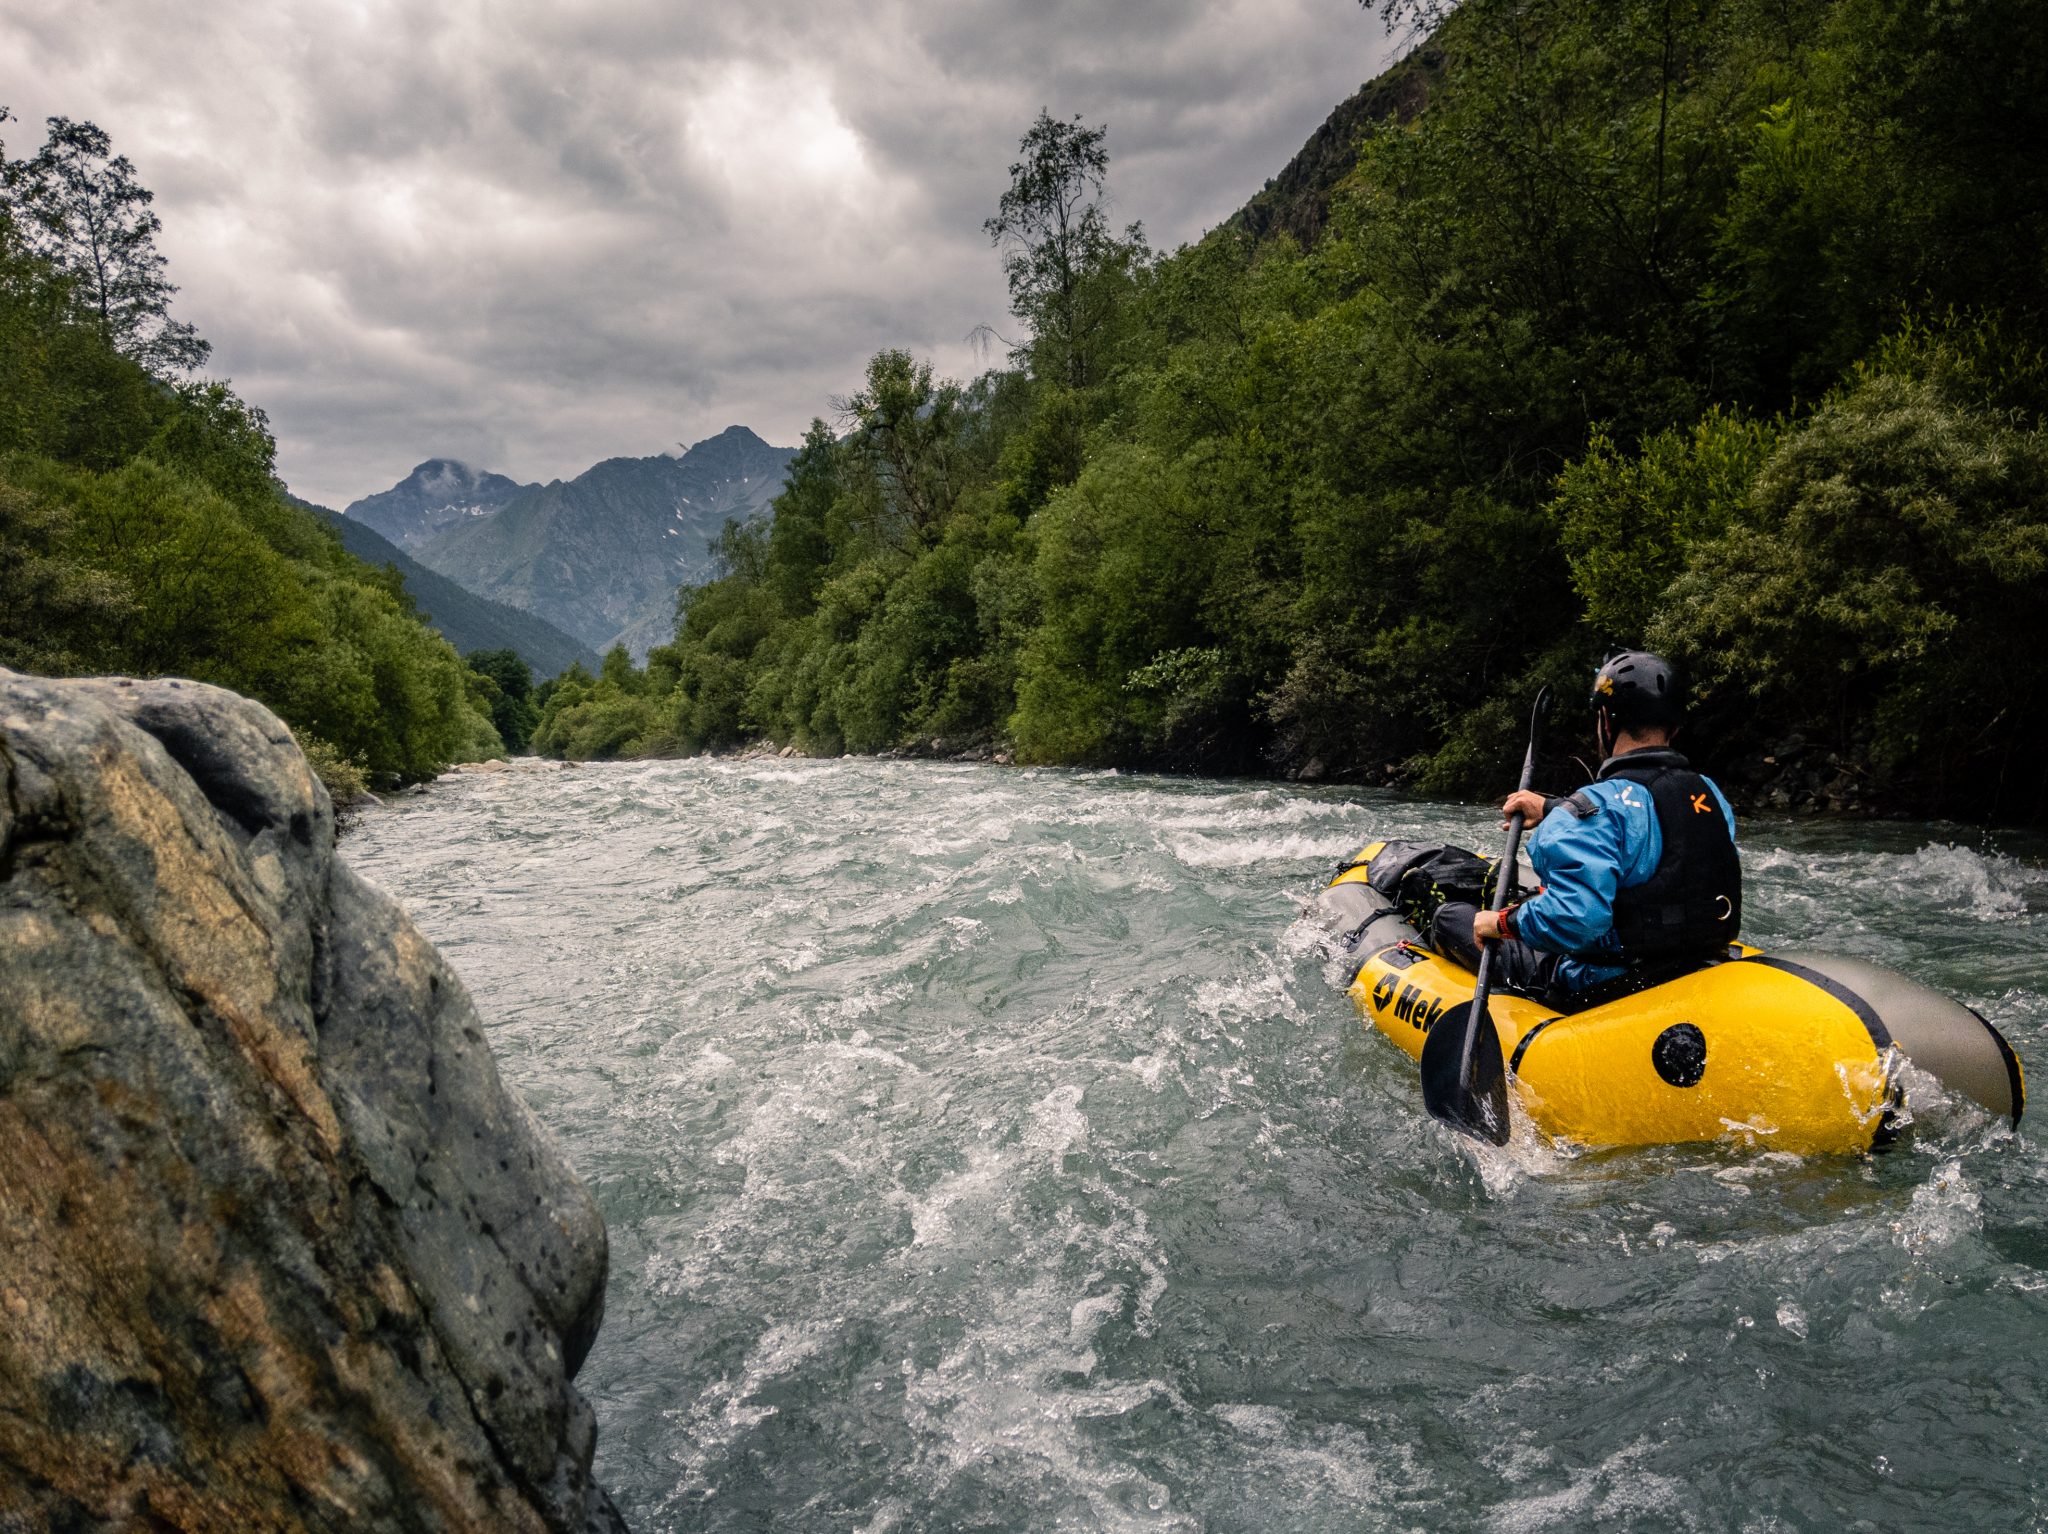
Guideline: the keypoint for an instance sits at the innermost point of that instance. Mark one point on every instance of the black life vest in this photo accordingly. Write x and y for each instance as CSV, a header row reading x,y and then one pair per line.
x,y
1691,907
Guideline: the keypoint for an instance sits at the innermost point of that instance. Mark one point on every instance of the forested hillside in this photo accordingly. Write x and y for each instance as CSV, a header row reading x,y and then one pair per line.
x,y
1713,326
464,619
142,529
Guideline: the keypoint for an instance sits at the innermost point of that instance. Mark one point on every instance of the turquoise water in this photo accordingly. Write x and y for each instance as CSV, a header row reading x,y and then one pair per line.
x,y
993,1149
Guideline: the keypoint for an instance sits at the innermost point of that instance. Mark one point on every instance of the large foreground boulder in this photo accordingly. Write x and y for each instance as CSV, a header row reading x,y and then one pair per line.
x,y
277,1248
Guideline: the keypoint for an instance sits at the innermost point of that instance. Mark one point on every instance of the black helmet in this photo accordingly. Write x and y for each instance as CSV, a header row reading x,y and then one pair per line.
x,y
1636,687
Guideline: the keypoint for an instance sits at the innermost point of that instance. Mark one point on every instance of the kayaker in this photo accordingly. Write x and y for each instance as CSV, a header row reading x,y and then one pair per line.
x,y
1639,874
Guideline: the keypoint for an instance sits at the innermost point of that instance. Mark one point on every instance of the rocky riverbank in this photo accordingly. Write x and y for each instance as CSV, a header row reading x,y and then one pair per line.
x,y
278,1250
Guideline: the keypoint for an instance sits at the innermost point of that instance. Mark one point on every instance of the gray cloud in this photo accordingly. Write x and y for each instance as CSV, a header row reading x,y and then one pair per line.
x,y
533,235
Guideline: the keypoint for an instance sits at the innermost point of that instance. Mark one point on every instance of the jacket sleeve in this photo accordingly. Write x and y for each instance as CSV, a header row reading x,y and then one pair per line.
x,y
1580,864
1727,813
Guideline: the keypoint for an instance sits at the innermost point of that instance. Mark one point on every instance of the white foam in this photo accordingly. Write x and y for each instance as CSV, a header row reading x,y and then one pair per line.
x,y
889,1512
868,1002
1149,1069
800,957
1616,1489
1003,1404
1058,1124
1942,876
1944,1209
1245,998
1311,1456
725,1411
1989,887
966,930
1201,852
982,1183
862,1048
1264,811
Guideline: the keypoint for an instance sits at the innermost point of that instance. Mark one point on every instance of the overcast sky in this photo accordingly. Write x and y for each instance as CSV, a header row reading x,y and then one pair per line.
x,y
534,235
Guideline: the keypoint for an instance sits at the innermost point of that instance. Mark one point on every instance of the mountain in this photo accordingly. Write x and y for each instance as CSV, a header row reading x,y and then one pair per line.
x,y
436,494
1297,201
466,620
601,555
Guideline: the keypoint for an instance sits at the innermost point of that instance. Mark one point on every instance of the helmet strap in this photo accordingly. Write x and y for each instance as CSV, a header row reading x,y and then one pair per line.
x,y
1603,731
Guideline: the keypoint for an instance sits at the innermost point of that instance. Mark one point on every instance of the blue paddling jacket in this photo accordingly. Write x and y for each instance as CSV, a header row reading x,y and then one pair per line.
x,y
1609,838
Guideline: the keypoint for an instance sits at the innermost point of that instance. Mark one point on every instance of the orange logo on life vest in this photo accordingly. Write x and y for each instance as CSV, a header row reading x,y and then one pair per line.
x,y
1700,805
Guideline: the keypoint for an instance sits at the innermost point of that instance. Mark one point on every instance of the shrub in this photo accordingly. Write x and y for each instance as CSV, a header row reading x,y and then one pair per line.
x,y
1892,568
344,779
1627,522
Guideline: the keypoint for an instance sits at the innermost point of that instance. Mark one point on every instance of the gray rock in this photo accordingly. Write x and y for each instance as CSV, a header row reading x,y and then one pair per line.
x,y
278,1250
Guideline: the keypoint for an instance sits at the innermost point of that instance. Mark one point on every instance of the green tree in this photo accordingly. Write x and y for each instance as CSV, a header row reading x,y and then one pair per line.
x,y
800,533
617,714
1628,522
905,438
1121,566
79,205
213,433
142,529
512,709
1056,243
58,613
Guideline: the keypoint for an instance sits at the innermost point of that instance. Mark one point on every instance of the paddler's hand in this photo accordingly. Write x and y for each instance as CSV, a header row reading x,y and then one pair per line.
x,y
1530,804
1486,926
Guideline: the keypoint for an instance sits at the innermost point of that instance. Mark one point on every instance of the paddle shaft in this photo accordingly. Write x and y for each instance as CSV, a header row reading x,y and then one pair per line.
x,y
1482,982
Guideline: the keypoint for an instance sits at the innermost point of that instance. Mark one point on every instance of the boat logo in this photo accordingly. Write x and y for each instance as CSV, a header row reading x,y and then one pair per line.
x,y
1408,1002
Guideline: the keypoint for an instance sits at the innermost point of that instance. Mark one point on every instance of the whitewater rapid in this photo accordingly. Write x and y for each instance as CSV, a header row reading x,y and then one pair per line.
x,y
992,1148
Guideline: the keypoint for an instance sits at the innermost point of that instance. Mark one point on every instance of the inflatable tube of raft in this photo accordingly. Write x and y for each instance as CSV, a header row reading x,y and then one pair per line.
x,y
1796,1051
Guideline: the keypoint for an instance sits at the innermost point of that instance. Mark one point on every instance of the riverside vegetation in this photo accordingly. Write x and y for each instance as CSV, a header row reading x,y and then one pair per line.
x,y
142,526
1712,325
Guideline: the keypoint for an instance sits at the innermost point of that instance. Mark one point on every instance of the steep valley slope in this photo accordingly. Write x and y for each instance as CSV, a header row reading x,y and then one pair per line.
x,y
466,620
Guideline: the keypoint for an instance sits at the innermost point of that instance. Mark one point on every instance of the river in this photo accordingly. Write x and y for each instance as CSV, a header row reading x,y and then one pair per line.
x,y
991,1149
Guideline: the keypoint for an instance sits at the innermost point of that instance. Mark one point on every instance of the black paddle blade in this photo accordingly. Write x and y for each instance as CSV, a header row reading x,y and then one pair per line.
x,y
1477,1106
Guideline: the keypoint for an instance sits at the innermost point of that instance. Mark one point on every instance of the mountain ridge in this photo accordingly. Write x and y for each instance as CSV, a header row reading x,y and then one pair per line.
x,y
601,555
1296,202
438,492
